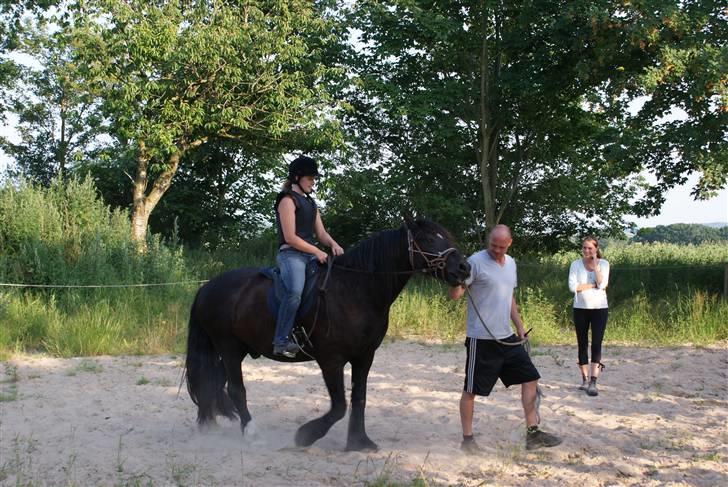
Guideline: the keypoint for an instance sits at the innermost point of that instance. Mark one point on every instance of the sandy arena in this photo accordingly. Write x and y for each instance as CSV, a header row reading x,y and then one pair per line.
x,y
661,419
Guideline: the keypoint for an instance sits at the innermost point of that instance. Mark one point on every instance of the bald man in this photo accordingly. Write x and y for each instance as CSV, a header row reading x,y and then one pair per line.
x,y
489,355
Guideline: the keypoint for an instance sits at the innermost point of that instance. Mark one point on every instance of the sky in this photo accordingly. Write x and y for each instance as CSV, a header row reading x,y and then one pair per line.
x,y
680,207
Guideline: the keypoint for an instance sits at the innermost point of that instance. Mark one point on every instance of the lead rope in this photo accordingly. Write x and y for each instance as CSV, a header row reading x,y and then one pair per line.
x,y
482,322
539,392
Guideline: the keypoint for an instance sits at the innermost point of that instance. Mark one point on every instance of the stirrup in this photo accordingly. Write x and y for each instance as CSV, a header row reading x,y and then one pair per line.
x,y
300,337
289,349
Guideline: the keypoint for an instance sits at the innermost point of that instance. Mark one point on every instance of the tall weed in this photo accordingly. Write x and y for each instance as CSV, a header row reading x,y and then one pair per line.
x,y
658,293
65,235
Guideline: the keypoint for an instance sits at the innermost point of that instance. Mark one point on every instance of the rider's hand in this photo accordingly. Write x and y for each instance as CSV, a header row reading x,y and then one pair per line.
x,y
337,250
321,256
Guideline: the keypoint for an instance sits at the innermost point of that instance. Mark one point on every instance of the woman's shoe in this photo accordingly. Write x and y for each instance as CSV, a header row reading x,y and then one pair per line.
x,y
591,389
584,384
288,349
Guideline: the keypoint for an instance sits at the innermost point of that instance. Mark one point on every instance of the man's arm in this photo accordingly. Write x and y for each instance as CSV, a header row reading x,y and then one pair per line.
x,y
516,319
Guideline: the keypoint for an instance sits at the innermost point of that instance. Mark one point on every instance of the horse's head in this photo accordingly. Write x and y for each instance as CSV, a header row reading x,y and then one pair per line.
x,y
431,250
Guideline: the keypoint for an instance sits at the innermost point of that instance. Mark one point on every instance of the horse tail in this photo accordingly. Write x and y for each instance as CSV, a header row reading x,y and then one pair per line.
x,y
205,374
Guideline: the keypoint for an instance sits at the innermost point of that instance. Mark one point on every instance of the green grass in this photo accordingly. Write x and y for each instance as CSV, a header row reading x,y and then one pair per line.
x,y
68,323
638,317
649,305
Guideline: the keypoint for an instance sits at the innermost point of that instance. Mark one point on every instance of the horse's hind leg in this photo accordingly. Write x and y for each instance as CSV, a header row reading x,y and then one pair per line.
x,y
232,356
357,438
317,428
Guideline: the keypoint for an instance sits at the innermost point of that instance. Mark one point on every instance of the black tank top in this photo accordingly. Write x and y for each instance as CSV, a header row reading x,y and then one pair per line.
x,y
305,216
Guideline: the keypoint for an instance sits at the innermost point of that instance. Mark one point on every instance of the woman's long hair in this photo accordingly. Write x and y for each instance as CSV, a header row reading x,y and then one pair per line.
x,y
595,242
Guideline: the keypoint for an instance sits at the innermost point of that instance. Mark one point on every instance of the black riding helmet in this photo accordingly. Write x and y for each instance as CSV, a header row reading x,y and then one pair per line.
x,y
302,166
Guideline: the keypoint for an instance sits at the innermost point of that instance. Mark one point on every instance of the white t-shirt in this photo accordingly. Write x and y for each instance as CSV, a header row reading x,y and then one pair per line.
x,y
592,298
491,287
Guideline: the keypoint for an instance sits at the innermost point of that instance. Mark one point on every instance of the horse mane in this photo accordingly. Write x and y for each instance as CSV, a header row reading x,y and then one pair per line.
x,y
379,252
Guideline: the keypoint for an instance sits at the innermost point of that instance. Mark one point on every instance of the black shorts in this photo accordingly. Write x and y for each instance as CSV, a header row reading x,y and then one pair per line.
x,y
487,361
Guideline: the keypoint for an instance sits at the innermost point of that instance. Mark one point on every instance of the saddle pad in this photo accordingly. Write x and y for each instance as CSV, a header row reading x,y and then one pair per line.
x,y
308,297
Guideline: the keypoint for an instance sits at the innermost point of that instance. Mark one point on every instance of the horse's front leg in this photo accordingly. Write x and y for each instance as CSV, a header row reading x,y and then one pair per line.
x,y
317,428
357,439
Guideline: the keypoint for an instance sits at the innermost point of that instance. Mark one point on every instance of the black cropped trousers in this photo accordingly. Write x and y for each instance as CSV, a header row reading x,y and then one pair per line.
x,y
583,320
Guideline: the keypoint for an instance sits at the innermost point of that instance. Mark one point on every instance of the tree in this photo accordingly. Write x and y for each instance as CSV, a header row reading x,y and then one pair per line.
x,y
681,233
11,30
528,99
57,120
172,76
688,57
221,196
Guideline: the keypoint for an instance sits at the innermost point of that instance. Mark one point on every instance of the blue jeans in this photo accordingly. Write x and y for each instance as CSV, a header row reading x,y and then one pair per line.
x,y
292,265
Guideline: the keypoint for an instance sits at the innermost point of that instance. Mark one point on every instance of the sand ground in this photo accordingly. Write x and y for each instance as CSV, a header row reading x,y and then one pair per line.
x,y
660,419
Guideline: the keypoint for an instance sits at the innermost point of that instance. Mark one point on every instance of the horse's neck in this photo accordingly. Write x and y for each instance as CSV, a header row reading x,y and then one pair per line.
x,y
391,281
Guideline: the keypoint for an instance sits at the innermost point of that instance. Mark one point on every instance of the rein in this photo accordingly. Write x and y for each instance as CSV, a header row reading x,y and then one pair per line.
x,y
435,262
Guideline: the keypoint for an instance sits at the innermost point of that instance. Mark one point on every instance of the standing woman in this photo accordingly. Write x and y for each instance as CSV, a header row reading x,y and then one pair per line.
x,y
298,220
588,280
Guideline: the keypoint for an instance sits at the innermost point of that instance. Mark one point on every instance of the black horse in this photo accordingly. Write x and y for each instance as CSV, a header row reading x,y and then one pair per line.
x,y
230,319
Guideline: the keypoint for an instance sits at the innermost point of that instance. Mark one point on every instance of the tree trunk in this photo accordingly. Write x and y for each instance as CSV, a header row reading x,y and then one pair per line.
x,y
63,144
139,212
143,203
489,132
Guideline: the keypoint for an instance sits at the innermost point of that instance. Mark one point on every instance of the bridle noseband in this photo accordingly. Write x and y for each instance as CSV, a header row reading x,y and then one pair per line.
x,y
435,262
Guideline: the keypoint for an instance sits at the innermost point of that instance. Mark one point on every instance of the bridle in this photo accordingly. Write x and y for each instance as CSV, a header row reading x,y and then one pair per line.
x,y
434,262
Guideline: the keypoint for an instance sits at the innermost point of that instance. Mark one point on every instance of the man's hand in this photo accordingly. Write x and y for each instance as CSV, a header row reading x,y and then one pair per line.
x,y
456,292
521,332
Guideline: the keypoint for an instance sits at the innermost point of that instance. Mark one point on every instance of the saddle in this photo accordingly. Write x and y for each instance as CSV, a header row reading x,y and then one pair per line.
x,y
308,296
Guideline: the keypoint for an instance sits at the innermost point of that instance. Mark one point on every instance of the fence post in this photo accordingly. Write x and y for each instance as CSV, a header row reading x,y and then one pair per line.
x,y
725,282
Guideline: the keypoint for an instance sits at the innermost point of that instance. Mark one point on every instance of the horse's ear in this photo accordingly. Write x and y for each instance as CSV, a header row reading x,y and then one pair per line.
x,y
409,220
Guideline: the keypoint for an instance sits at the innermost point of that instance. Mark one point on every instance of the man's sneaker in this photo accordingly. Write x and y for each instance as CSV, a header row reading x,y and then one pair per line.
x,y
470,447
289,349
591,389
538,438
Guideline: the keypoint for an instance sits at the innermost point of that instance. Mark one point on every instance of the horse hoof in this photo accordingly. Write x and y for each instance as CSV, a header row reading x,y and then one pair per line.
x,y
365,445
304,437
249,430
208,426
